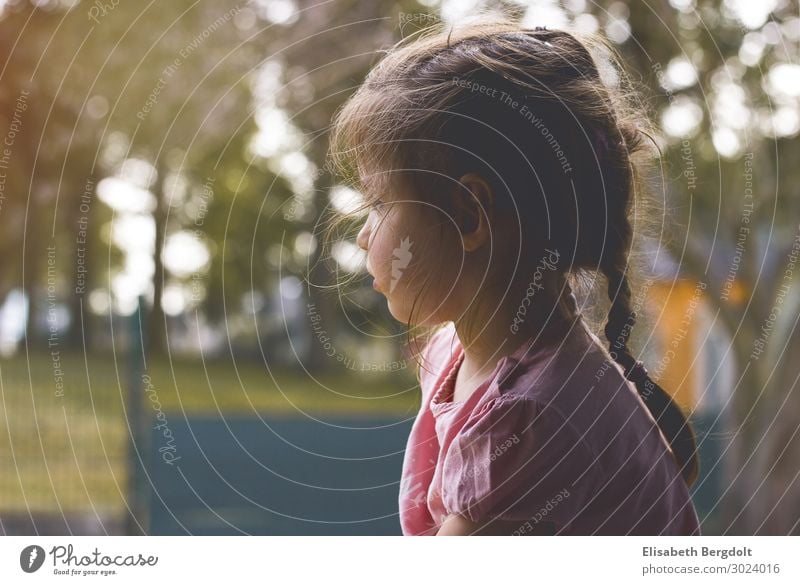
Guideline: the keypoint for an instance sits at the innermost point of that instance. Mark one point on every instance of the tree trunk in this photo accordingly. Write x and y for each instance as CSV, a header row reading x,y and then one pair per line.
x,y
157,329
80,330
33,251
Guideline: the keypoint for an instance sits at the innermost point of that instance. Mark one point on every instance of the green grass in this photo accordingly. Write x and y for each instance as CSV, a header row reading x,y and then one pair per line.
x,y
68,452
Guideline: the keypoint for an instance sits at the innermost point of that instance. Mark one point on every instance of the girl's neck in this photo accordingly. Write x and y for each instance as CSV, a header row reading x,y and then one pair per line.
x,y
499,330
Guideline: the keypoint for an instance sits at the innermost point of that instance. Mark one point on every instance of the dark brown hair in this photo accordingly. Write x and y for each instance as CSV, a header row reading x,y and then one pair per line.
x,y
530,111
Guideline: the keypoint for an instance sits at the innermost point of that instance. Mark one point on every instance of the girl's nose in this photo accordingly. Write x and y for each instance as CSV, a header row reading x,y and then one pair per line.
x,y
362,240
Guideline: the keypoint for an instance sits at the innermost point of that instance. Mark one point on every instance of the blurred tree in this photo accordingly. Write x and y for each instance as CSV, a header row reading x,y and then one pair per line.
x,y
182,103
327,52
727,98
229,106
185,105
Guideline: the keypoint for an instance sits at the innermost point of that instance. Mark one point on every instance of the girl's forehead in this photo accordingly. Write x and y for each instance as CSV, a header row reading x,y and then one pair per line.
x,y
378,185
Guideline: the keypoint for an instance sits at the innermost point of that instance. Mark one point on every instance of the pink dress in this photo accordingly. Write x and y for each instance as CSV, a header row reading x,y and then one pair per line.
x,y
555,438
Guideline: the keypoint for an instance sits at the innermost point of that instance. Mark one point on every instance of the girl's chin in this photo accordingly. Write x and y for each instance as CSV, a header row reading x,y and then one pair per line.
x,y
400,313
401,316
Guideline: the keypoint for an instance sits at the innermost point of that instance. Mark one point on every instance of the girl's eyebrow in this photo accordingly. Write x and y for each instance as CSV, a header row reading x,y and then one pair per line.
x,y
370,197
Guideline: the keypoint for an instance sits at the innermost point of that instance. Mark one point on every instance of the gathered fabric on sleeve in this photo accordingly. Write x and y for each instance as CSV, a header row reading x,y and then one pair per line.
x,y
516,459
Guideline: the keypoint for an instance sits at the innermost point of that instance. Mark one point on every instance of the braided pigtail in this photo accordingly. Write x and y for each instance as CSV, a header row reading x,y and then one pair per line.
x,y
668,415
615,145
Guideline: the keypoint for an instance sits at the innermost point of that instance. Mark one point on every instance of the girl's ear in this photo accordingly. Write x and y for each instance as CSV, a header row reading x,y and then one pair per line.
x,y
473,210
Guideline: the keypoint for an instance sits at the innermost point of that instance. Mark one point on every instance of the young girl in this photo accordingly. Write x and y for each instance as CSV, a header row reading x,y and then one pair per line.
x,y
498,167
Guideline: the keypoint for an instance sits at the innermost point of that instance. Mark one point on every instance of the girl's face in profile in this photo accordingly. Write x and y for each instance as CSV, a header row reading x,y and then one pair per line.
x,y
410,248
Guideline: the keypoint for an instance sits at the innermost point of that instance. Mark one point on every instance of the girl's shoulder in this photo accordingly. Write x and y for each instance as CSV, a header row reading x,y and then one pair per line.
x,y
515,457
571,362
579,380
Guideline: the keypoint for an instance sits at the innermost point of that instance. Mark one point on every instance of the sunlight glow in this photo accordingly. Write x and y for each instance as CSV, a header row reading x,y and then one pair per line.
x,y
784,80
349,256
752,49
545,13
680,74
173,299
455,10
291,287
683,5
785,122
344,199
751,13
184,254
121,196
726,141
277,11
682,117
730,105
275,133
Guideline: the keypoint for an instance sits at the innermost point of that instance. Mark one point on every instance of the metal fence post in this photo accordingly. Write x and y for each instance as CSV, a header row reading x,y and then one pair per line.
x,y
138,520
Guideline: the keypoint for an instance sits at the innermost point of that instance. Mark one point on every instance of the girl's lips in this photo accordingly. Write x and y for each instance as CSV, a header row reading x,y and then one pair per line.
x,y
375,284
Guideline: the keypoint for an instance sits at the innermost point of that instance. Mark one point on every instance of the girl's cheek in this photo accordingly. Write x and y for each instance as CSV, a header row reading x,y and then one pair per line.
x,y
382,235
418,249
434,265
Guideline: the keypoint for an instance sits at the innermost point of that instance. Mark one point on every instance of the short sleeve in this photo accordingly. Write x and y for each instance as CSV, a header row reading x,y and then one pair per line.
x,y
515,459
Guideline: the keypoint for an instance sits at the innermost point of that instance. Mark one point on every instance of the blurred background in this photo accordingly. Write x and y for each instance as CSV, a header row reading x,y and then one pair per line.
x,y
175,354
